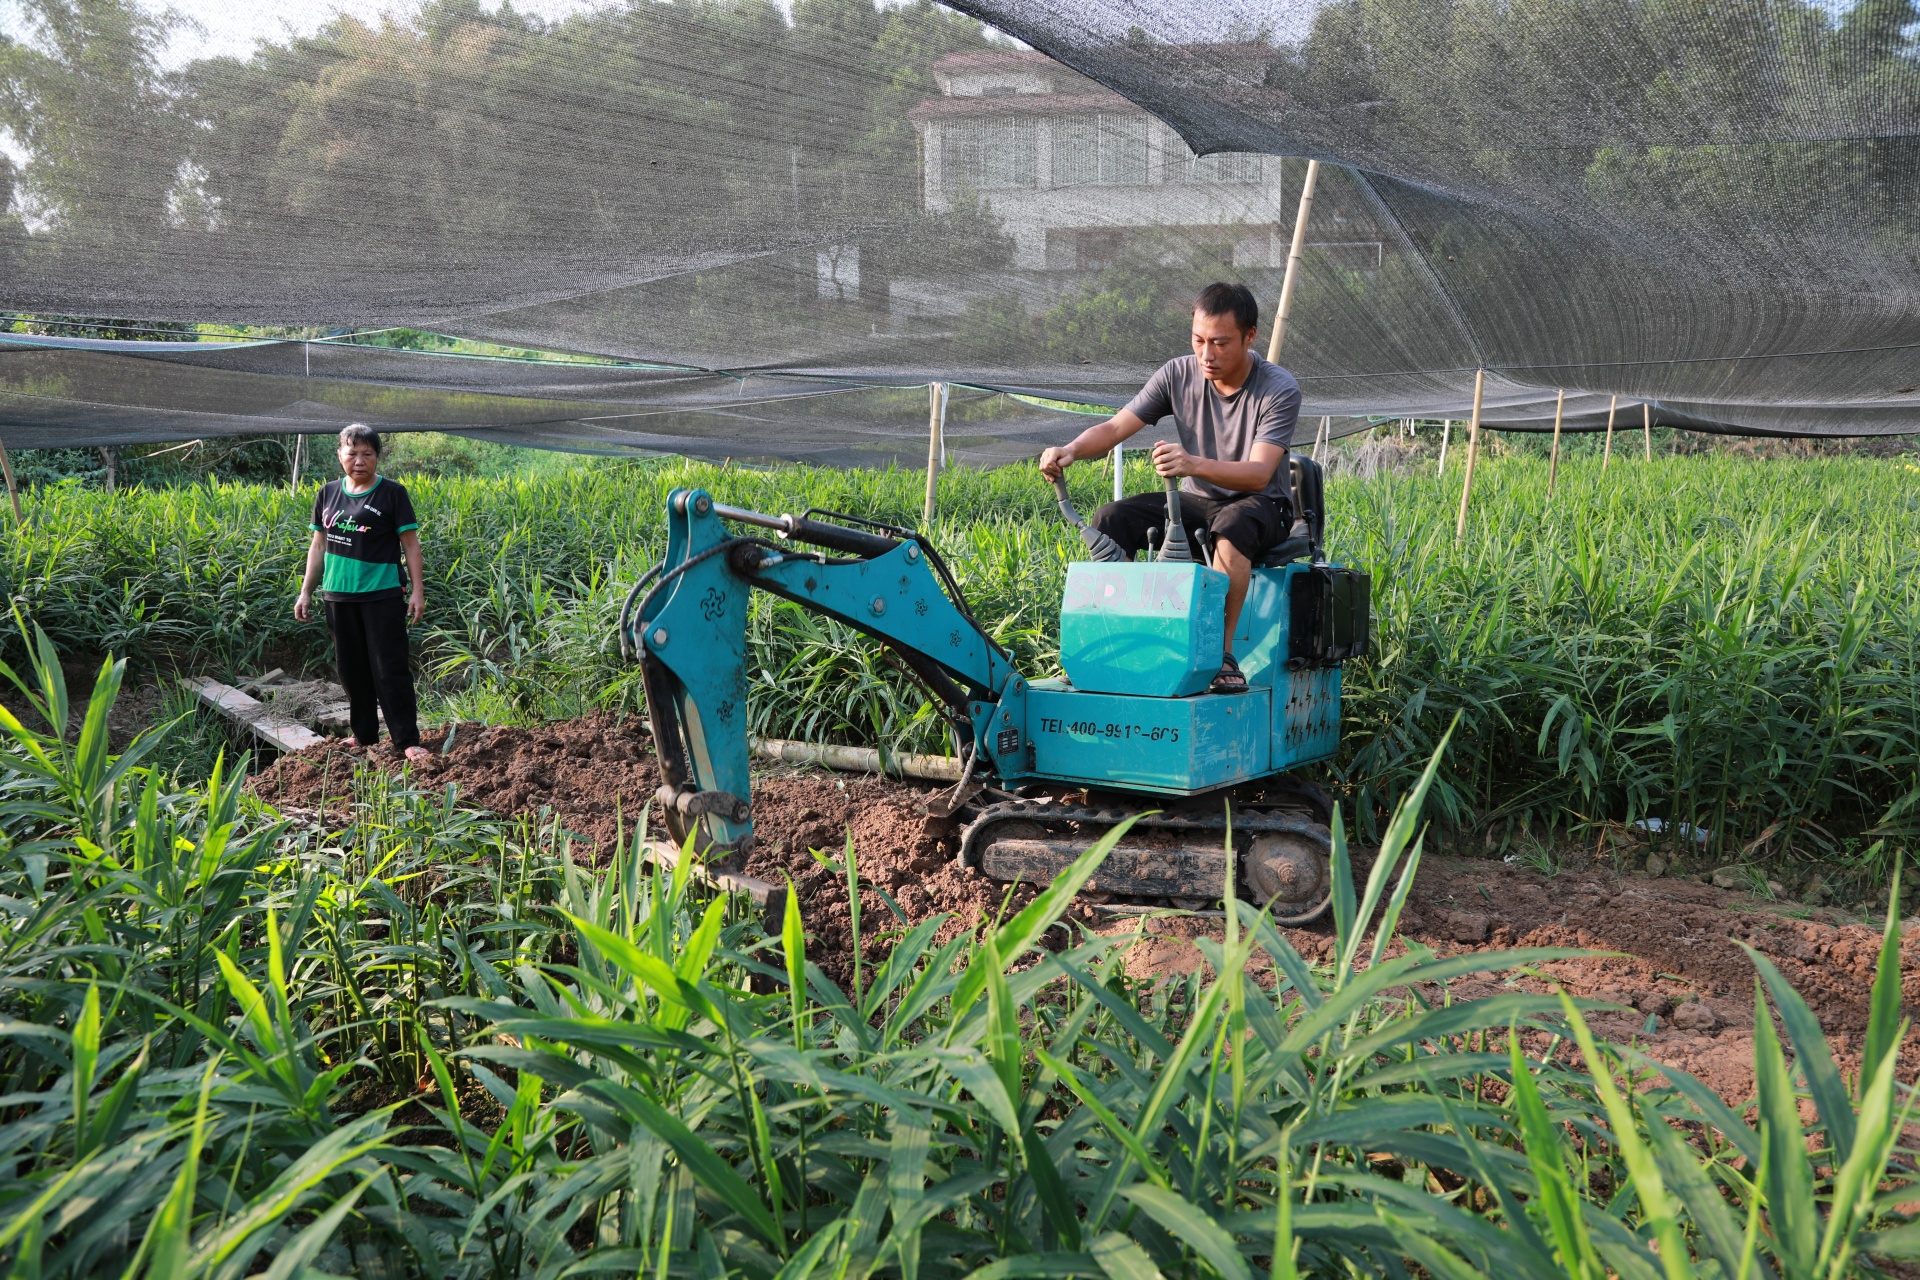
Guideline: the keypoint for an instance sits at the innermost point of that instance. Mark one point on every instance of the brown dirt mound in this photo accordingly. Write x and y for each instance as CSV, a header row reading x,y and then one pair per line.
x,y
593,773
1680,961
590,773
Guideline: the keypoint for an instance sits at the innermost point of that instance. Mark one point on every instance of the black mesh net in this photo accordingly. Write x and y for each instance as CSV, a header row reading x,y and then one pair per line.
x,y
757,232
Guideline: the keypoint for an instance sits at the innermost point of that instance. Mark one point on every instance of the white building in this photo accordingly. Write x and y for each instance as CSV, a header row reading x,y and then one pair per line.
x,y
1078,175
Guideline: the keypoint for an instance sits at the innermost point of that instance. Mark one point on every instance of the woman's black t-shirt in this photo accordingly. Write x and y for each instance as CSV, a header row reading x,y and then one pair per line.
x,y
362,533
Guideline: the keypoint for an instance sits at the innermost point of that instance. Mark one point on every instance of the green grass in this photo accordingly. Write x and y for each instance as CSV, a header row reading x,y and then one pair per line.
x,y
421,1043
1711,640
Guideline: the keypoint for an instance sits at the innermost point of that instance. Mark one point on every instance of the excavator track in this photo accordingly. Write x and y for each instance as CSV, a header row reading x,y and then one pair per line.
x,y
1176,858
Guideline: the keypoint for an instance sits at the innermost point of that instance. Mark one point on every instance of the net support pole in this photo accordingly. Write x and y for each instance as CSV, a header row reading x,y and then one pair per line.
x,y
1446,434
13,492
299,456
1473,451
1646,427
1553,464
1119,471
1606,459
936,423
1293,260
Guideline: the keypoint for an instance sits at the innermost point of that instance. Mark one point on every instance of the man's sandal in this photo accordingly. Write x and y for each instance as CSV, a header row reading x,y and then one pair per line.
x,y
1230,679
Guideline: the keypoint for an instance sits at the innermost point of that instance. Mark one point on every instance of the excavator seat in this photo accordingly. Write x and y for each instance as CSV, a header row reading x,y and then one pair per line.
x,y
1304,539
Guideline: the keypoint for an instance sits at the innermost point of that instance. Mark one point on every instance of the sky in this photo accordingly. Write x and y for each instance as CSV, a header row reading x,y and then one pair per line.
x,y
216,27
233,26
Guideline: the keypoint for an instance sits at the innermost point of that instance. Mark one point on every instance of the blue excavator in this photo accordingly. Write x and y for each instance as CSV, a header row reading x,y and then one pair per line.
x,y
1048,765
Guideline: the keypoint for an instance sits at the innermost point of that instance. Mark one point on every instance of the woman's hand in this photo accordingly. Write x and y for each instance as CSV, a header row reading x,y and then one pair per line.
x,y
303,607
416,605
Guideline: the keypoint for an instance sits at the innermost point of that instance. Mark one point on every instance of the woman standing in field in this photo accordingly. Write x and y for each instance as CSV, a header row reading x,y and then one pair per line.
x,y
362,524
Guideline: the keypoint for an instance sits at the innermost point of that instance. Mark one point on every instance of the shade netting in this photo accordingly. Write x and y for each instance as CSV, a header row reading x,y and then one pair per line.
x,y
757,232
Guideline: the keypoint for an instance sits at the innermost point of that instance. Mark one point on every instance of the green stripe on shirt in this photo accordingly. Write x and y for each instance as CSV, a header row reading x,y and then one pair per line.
x,y
356,577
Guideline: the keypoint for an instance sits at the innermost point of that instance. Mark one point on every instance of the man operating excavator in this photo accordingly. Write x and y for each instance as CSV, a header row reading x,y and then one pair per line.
x,y
1234,412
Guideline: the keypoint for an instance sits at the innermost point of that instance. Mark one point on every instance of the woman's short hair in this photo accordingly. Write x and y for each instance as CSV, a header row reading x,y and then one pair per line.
x,y
360,433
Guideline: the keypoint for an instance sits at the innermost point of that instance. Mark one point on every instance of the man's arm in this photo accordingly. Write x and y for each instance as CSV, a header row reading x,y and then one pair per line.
x,y
316,561
1251,476
416,574
1097,441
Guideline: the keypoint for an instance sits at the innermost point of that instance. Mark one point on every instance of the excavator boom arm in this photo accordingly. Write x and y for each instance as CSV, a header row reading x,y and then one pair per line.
x,y
690,632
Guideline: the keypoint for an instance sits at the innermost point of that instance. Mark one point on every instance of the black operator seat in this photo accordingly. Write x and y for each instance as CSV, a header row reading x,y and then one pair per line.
x,y
1305,538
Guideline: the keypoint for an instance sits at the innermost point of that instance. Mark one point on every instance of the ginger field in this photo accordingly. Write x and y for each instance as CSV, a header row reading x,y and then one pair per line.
x,y
383,1033
1729,646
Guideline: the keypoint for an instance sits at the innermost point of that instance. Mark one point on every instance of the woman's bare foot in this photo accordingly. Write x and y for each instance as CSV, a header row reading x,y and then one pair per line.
x,y
417,754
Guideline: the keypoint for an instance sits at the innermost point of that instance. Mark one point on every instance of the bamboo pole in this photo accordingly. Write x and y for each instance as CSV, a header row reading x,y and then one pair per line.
x,y
1606,459
936,424
1446,434
1325,429
1293,261
13,493
1646,425
1473,451
1553,466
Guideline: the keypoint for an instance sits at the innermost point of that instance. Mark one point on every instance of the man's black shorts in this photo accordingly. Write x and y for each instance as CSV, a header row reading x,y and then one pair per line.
x,y
1252,522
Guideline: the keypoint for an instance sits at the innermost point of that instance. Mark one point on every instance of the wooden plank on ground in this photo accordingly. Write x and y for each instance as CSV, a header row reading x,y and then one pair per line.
x,y
275,730
770,898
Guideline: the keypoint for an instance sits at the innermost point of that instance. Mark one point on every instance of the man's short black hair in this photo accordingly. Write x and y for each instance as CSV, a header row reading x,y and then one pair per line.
x,y
1236,300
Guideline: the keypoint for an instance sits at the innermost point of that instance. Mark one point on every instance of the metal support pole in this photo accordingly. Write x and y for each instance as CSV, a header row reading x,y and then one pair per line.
x,y
1446,434
1606,459
299,457
13,494
1119,471
1293,261
1473,451
1646,425
936,425
1553,466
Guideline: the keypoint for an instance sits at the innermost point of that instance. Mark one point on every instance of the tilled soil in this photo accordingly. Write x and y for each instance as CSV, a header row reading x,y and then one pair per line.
x,y
1680,962
597,774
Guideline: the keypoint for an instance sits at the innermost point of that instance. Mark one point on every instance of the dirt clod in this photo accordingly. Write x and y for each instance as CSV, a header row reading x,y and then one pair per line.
x,y
1694,1016
1467,926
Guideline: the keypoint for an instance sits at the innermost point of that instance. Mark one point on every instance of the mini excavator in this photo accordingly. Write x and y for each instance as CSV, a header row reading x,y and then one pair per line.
x,y
1049,765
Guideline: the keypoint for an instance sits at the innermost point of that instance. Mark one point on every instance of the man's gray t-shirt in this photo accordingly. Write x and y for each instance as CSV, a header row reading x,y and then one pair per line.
x,y
1224,428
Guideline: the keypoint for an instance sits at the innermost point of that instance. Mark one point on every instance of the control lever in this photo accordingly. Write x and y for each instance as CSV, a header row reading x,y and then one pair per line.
x,y
1103,548
1175,548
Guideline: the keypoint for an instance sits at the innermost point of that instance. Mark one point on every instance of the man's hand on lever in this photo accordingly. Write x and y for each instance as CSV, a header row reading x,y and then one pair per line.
x,y
1096,441
1170,460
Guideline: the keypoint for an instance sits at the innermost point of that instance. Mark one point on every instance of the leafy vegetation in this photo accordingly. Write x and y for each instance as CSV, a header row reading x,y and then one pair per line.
x,y
1725,645
423,1043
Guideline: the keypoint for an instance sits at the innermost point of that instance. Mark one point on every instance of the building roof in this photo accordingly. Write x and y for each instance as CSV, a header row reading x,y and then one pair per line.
x,y
995,60
1020,104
